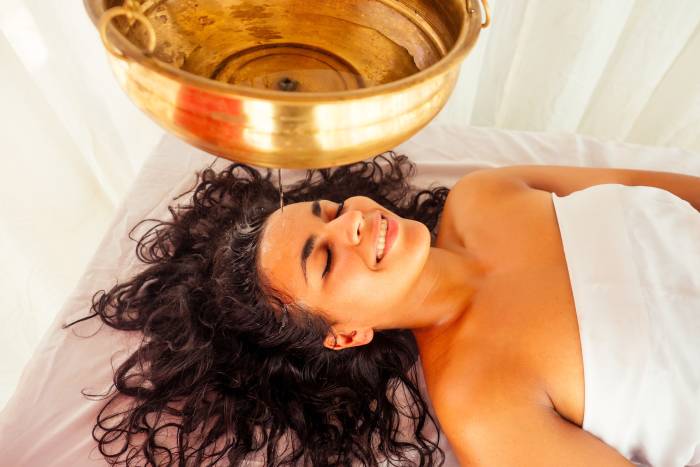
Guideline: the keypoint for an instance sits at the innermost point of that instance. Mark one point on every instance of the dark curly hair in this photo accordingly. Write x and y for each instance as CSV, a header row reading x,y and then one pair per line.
x,y
229,372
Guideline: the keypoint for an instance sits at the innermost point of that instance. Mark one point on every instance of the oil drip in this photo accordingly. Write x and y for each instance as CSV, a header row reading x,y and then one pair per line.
x,y
279,179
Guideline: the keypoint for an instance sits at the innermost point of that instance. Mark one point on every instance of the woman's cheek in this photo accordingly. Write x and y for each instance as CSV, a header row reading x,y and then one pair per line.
x,y
358,290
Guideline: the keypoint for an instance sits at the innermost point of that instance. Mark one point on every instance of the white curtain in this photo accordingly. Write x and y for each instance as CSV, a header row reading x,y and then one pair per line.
x,y
618,70
71,141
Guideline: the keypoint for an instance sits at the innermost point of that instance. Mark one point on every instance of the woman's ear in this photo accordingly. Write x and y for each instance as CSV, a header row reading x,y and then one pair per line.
x,y
345,339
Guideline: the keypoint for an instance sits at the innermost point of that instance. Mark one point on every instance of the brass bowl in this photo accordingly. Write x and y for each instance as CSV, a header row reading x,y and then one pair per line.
x,y
289,83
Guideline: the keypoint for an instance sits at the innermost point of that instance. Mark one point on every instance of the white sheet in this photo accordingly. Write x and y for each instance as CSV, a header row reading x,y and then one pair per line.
x,y
48,422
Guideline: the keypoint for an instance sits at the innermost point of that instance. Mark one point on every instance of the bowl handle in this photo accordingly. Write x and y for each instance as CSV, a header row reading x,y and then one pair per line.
x,y
112,13
487,14
485,9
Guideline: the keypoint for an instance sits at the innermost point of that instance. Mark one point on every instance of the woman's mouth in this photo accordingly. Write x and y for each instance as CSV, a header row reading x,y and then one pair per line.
x,y
388,229
381,239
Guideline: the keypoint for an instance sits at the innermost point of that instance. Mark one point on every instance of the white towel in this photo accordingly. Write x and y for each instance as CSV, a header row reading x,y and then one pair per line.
x,y
633,255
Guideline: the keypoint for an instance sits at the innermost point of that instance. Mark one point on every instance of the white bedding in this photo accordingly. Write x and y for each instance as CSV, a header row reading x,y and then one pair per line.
x,y
48,422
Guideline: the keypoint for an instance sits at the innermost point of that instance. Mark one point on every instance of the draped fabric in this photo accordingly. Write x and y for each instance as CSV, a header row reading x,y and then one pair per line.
x,y
72,142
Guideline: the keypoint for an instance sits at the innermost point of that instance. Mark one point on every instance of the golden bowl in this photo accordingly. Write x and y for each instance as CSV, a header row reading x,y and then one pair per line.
x,y
289,83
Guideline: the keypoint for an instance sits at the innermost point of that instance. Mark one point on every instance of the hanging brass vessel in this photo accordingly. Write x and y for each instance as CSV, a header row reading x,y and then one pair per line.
x,y
289,83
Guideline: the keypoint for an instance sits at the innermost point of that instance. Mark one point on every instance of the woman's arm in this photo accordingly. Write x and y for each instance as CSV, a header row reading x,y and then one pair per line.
x,y
564,180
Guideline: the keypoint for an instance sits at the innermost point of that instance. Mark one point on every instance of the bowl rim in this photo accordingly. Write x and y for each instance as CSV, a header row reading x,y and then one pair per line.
x,y
467,38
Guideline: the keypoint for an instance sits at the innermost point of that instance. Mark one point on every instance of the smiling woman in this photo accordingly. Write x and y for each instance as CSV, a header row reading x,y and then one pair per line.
x,y
346,261
253,319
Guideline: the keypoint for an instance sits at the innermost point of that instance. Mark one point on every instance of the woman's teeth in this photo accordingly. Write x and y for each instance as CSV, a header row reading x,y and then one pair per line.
x,y
382,239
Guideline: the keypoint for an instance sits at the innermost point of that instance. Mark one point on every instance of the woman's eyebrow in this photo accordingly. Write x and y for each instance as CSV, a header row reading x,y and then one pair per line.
x,y
311,241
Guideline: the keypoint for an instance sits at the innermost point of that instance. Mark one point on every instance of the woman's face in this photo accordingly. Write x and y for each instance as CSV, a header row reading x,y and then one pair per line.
x,y
328,260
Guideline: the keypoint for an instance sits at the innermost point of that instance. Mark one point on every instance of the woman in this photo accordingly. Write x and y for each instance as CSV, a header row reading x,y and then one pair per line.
x,y
260,322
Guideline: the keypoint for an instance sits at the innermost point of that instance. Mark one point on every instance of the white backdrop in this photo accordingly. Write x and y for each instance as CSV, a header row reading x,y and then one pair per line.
x,y
71,142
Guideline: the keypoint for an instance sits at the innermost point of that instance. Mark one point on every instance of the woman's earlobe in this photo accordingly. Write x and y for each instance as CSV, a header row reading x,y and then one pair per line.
x,y
365,336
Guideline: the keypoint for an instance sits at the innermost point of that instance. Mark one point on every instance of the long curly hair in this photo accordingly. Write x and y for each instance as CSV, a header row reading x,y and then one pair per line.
x,y
228,374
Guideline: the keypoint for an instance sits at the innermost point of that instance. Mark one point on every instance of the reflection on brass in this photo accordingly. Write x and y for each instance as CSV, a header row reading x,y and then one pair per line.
x,y
289,83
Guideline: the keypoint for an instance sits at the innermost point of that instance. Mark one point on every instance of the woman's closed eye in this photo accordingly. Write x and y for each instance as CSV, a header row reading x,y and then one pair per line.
x,y
329,256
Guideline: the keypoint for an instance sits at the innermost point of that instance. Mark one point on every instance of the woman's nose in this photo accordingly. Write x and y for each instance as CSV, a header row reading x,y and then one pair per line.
x,y
349,226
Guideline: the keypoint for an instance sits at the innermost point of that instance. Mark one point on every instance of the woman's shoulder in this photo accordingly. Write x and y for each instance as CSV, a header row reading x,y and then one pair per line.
x,y
486,203
488,182
485,188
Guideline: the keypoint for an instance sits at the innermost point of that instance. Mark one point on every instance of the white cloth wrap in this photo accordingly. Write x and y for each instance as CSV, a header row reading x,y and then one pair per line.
x,y
633,255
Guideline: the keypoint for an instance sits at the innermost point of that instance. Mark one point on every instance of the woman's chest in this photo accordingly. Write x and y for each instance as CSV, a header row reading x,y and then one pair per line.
x,y
522,323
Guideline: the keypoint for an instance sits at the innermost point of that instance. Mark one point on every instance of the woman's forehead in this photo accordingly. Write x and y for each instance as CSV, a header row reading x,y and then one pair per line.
x,y
283,240
281,219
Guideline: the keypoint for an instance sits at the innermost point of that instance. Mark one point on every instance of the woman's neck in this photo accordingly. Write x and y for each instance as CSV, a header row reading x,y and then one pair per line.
x,y
447,286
